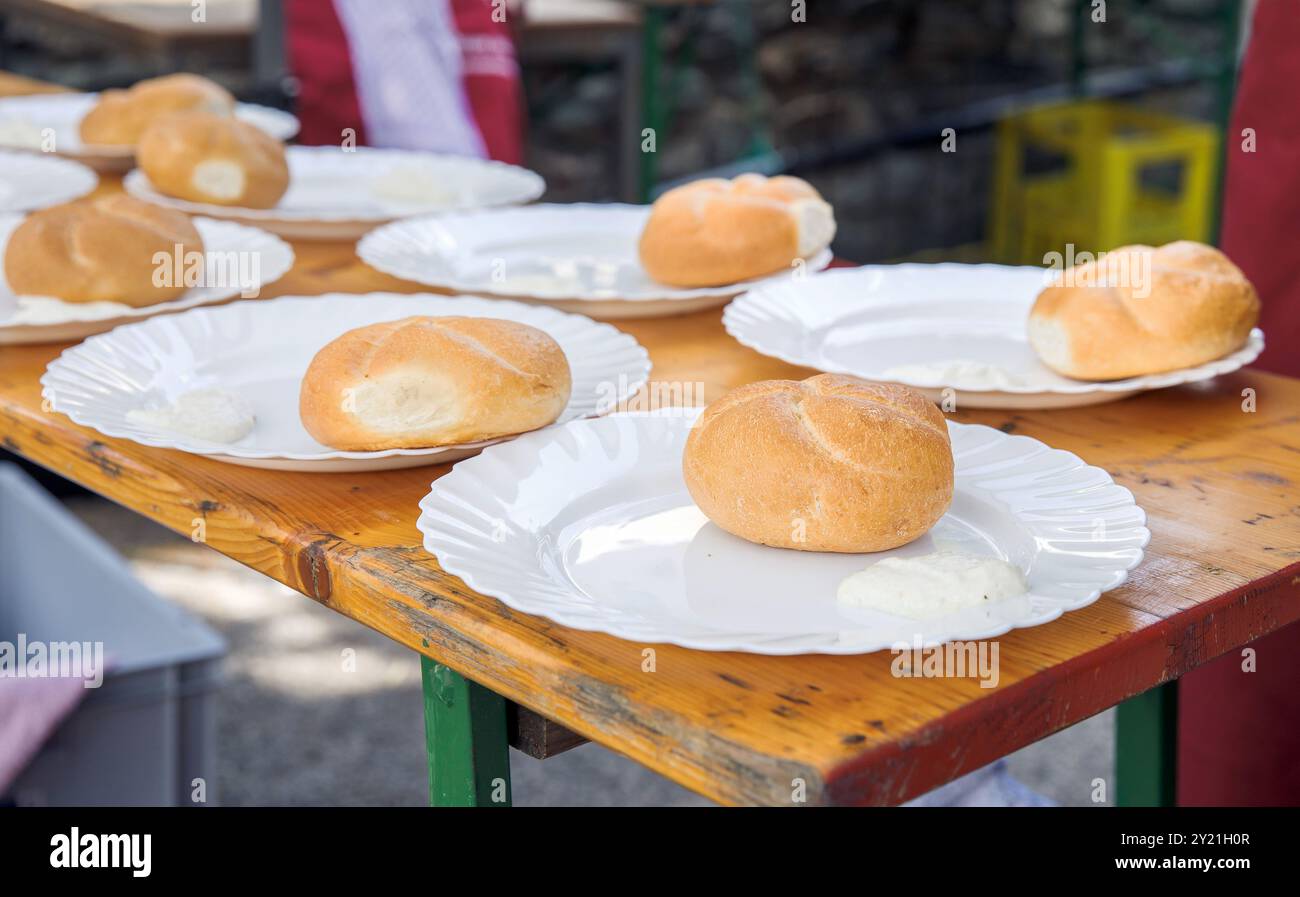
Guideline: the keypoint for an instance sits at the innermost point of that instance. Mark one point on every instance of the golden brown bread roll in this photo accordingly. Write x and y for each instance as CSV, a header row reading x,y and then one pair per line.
x,y
100,250
429,381
831,463
120,117
1139,310
210,158
716,232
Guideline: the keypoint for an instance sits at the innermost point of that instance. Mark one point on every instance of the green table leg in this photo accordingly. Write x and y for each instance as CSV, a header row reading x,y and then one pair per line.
x,y
465,735
1146,748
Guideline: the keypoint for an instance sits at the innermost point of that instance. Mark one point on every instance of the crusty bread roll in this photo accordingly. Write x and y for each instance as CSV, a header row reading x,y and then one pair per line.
x,y
120,117
100,250
210,158
1139,310
428,381
831,463
716,232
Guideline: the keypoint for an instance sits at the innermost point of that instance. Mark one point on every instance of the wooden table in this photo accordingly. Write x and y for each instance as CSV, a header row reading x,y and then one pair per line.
x,y
1223,568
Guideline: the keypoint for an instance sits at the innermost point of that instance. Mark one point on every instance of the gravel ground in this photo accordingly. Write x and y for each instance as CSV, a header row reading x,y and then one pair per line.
x,y
297,725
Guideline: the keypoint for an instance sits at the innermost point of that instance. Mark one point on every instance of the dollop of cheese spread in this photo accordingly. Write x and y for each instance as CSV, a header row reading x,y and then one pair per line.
x,y
213,415
931,585
959,372
41,310
410,183
20,132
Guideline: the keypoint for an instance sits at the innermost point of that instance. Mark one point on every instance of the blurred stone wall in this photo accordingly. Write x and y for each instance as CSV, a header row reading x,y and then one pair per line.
x,y
855,68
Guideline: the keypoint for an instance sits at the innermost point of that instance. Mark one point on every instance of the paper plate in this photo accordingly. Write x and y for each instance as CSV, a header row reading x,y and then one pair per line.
x,y
260,350
579,257
41,319
952,331
590,525
337,194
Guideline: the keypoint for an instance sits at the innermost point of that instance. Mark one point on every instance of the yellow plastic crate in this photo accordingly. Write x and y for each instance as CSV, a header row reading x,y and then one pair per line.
x,y
1099,174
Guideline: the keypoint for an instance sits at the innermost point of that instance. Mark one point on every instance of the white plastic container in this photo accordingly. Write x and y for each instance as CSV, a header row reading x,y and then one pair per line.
x,y
147,733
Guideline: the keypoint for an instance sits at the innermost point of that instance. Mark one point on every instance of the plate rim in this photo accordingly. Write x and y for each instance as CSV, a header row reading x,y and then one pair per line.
x,y
216,450
1225,364
61,167
453,565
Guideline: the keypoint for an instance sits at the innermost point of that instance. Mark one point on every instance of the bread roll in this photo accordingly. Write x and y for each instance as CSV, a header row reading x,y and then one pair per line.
x,y
831,463
716,232
121,116
428,381
209,158
1140,310
100,250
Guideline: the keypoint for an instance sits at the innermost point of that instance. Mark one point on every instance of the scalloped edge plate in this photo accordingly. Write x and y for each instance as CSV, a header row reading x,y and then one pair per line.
x,y
590,525
78,320
439,251
62,112
142,366
332,194
794,321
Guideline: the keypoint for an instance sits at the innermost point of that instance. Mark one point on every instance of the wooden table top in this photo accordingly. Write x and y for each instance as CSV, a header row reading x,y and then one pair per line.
x,y
1219,484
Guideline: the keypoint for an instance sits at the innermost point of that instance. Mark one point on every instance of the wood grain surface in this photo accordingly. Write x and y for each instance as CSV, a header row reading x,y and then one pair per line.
x,y
1218,482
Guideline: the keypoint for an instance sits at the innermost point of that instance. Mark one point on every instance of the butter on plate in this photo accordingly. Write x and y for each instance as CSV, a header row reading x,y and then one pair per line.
x,y
931,585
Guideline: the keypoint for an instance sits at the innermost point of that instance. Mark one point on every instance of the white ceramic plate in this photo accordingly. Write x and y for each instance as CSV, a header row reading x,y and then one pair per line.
x,y
337,194
42,319
30,122
580,257
590,525
891,322
29,181
261,350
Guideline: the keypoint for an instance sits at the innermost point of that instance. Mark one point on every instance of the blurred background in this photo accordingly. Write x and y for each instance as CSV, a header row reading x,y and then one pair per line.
x,y
939,129
854,95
